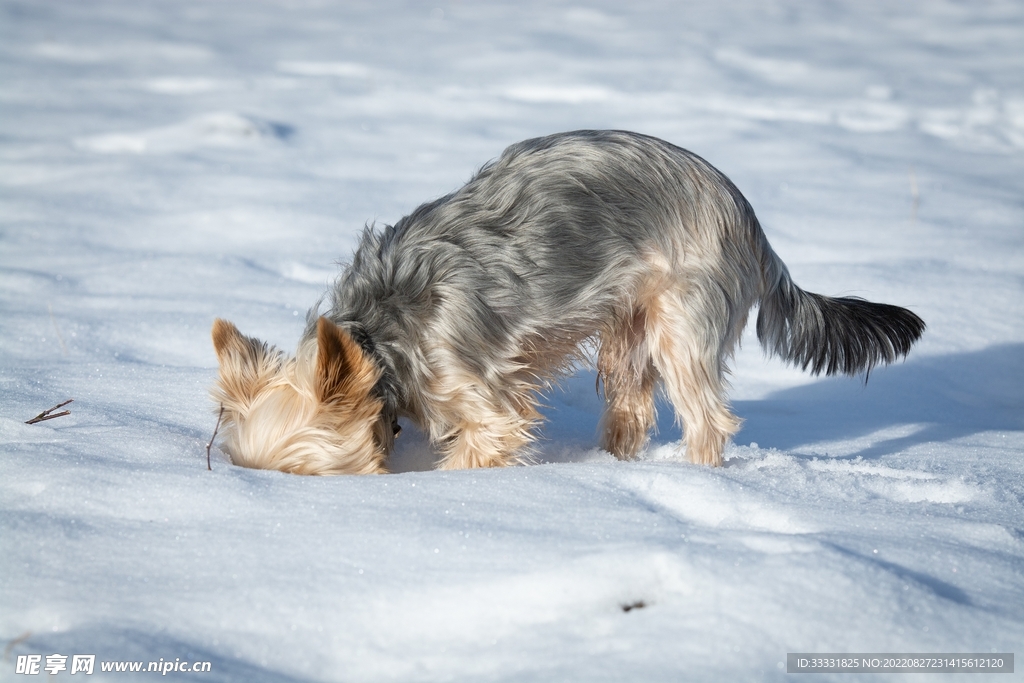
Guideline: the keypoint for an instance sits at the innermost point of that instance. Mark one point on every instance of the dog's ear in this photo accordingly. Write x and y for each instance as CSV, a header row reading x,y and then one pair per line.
x,y
230,343
226,338
246,364
344,372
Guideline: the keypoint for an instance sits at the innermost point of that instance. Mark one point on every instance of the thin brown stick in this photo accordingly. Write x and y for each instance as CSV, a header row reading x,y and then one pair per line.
x,y
210,445
45,415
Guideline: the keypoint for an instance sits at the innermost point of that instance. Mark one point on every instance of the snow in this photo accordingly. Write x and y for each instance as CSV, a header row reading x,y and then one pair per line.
x,y
165,163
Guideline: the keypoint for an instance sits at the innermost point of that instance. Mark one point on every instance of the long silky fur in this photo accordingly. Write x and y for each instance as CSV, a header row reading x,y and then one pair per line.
x,y
464,310
829,335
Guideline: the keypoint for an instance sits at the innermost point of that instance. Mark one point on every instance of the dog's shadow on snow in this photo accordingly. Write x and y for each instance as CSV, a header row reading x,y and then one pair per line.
x,y
924,400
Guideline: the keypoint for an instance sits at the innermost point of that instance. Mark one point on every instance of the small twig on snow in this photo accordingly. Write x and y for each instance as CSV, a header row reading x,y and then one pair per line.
x,y
45,415
210,445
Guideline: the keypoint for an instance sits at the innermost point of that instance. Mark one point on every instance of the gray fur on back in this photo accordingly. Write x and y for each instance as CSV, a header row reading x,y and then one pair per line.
x,y
555,237
542,242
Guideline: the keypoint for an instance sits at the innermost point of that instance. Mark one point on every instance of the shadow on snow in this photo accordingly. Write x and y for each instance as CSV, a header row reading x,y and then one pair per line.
x,y
946,397
925,400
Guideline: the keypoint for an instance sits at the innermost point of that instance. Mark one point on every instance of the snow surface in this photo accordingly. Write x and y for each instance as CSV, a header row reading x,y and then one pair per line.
x,y
163,163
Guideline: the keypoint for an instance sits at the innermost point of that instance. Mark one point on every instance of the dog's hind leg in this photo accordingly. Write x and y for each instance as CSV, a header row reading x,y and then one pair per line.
x,y
624,366
689,336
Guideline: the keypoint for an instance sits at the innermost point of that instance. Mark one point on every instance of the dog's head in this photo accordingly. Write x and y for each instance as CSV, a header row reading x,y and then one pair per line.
x,y
311,414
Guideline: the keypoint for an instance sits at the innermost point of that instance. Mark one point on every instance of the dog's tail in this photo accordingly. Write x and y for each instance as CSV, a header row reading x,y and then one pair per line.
x,y
832,335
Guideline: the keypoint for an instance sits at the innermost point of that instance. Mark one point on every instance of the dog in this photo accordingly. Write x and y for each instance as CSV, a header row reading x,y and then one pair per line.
x,y
460,314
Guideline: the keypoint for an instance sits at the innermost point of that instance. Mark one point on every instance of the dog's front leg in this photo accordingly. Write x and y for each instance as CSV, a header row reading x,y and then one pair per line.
x,y
494,443
473,426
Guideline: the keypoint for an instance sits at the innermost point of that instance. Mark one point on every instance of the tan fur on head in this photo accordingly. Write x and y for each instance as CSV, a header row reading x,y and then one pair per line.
x,y
311,414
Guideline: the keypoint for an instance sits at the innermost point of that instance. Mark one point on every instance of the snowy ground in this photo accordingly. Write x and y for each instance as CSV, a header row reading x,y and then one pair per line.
x,y
163,163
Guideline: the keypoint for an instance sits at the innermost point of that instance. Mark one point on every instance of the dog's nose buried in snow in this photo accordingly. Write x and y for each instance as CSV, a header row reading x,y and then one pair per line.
x,y
457,316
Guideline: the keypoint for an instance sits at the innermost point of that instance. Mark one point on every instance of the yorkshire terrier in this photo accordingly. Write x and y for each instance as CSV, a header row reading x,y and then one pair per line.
x,y
460,314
